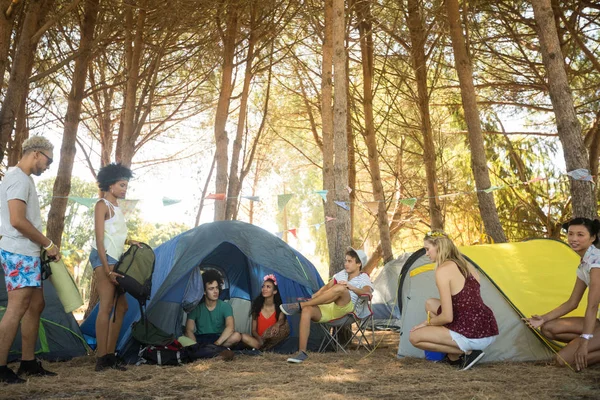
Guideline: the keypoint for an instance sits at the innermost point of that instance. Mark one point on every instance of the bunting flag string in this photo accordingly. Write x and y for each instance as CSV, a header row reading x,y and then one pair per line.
x,y
129,205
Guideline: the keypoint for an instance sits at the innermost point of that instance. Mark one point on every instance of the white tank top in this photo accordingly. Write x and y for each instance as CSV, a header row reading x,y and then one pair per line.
x,y
115,231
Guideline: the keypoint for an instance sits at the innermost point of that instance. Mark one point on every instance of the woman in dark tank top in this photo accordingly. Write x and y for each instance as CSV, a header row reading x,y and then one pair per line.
x,y
458,323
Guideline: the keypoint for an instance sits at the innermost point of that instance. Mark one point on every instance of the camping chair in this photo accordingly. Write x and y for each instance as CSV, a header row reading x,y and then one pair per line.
x,y
331,329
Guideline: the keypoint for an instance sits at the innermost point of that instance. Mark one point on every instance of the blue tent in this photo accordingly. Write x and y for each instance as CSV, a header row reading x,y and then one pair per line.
x,y
243,253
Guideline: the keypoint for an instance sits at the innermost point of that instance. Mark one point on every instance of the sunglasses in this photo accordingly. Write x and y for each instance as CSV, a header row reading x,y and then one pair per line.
x,y
50,160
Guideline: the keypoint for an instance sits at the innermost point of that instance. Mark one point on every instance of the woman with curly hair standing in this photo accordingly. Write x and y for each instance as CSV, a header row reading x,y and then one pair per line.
x,y
110,240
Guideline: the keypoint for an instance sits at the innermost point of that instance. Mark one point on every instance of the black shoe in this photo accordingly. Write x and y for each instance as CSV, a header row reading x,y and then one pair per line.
x,y
33,368
472,359
115,363
9,377
458,362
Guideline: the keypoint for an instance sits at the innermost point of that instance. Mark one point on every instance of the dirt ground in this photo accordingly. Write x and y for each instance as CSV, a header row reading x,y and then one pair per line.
x,y
358,375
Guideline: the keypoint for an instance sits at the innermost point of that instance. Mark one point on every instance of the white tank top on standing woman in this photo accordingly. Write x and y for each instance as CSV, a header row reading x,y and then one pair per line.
x,y
115,231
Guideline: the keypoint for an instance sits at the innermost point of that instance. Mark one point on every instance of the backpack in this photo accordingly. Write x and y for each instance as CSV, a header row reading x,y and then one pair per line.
x,y
137,266
171,354
147,333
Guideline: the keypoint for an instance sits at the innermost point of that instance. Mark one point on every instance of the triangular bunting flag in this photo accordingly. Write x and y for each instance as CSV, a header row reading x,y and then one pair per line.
x,y
327,219
323,194
88,202
215,196
539,178
492,189
293,232
409,202
349,189
343,204
251,198
317,226
279,234
581,174
282,200
169,202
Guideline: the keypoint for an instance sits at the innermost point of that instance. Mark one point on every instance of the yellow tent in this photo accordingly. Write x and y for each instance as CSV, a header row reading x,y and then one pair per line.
x,y
518,279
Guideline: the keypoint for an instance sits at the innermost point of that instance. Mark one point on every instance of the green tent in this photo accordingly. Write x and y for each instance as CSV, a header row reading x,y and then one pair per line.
x,y
59,336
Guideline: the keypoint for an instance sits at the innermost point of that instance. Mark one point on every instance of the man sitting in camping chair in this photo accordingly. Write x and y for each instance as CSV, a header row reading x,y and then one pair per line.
x,y
212,320
333,300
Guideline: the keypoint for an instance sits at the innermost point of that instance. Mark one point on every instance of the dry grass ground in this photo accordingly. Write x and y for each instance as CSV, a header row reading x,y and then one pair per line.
x,y
324,376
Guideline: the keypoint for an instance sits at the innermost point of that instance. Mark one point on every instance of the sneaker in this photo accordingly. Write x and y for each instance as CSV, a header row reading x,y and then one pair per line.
x,y
458,362
290,308
33,368
9,377
298,358
472,359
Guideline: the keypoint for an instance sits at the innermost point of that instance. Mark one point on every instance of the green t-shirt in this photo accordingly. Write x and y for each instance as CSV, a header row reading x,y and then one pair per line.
x,y
210,321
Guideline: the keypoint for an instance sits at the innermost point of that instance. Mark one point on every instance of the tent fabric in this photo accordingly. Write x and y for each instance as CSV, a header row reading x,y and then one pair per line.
x,y
386,313
517,279
242,252
59,336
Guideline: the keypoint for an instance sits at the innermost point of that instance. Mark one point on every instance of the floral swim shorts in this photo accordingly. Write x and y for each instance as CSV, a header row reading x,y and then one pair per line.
x,y
20,271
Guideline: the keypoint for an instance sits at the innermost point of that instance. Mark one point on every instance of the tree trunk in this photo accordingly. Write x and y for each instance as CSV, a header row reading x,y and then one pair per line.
x,y
6,29
568,126
134,43
222,113
21,133
62,184
234,174
327,121
365,27
340,137
418,38
487,206
205,190
18,83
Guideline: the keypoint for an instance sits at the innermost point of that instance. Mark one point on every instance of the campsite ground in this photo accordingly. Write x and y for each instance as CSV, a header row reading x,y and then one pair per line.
x,y
325,376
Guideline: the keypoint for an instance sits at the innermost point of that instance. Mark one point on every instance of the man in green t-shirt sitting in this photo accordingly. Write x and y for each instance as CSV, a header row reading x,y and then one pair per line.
x,y
212,320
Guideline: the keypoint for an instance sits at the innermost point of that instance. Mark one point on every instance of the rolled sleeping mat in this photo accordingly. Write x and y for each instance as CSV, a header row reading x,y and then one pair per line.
x,y
63,283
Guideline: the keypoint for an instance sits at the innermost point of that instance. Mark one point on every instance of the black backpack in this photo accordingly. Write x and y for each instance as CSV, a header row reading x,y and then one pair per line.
x,y
137,266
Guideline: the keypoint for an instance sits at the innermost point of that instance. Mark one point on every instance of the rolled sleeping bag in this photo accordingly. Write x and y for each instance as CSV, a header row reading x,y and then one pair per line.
x,y
63,283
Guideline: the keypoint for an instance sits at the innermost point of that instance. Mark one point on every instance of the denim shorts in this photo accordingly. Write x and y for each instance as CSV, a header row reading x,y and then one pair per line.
x,y
466,344
21,271
95,259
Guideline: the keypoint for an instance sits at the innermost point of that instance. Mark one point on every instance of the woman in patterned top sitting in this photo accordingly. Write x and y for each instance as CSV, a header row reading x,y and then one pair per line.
x,y
458,323
581,333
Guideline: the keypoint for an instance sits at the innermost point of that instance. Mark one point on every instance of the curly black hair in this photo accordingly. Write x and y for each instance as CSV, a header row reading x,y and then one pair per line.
x,y
592,225
210,276
111,173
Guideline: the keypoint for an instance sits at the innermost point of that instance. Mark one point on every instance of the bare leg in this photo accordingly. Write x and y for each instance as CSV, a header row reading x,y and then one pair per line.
x,y
30,324
114,328
251,341
234,338
566,355
564,329
434,338
106,292
18,303
338,294
309,313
